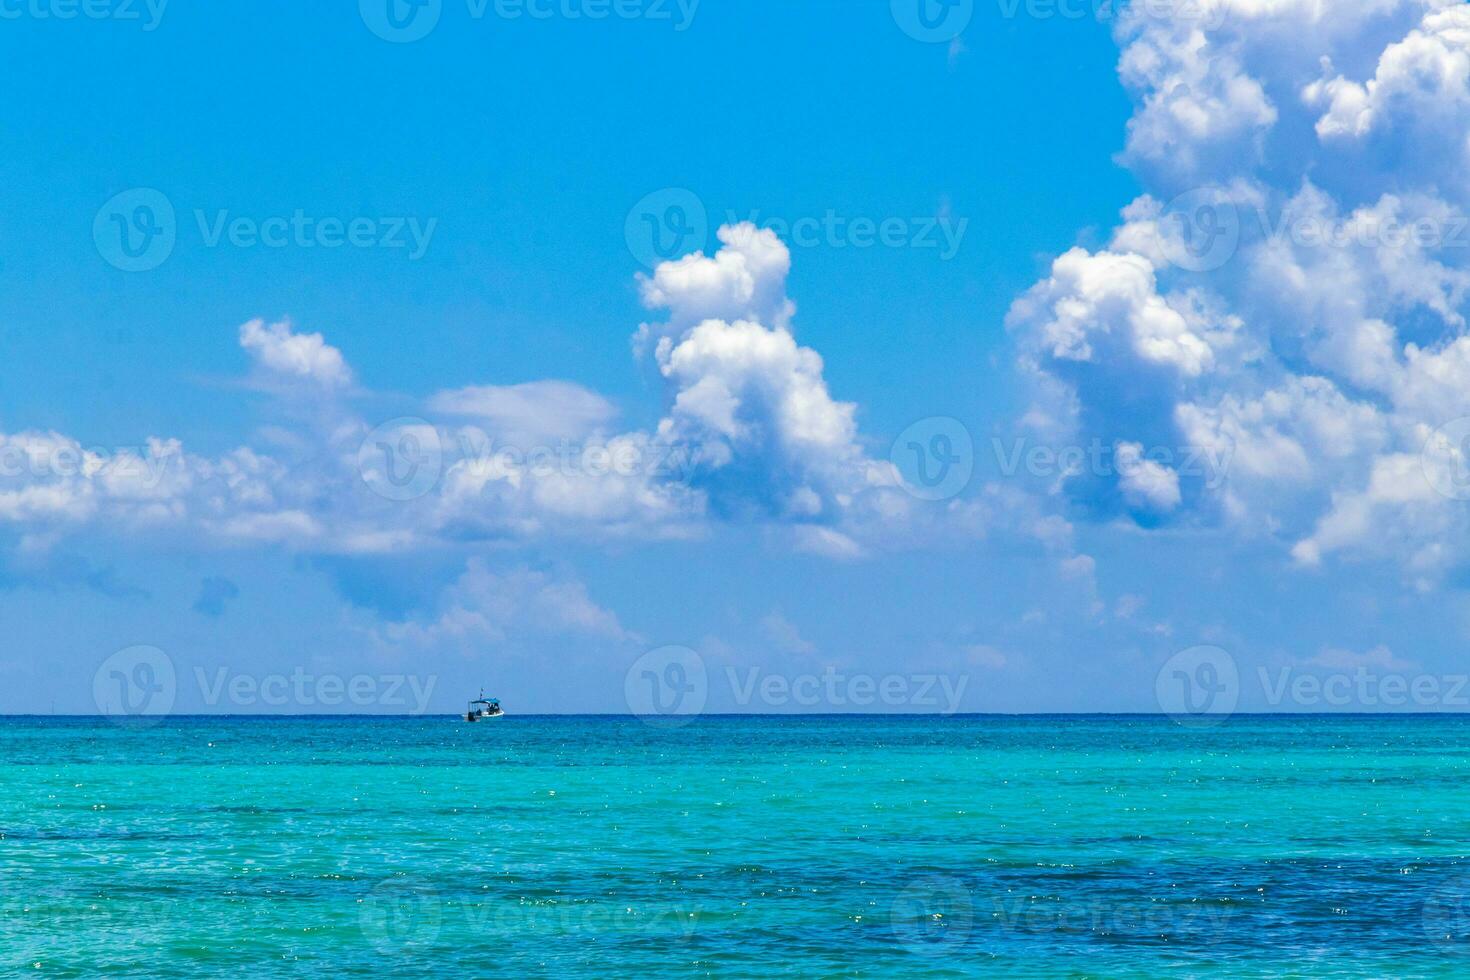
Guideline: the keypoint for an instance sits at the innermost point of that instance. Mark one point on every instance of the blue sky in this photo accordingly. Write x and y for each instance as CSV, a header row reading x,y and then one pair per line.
x,y
518,150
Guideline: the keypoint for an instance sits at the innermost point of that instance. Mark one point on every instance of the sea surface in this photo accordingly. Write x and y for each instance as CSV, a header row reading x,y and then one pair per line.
x,y
1043,846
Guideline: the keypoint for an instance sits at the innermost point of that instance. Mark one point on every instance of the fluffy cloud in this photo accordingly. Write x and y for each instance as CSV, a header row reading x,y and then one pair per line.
x,y
1196,99
1146,482
304,357
744,279
1320,346
750,408
1420,83
1219,84
750,433
50,482
1104,307
748,395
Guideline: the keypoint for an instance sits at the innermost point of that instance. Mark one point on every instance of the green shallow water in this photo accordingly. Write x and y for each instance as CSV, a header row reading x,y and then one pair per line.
x,y
572,846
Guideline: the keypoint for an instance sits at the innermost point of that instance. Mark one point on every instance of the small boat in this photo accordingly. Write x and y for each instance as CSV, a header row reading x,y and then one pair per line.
x,y
483,708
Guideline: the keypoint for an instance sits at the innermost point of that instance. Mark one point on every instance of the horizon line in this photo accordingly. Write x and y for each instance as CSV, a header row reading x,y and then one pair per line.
x,y
1221,717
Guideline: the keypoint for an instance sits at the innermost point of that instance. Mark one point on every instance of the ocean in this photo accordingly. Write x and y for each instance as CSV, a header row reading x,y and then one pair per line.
x,y
1039,846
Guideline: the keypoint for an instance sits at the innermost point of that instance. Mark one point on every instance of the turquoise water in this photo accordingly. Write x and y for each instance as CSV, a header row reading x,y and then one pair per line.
x,y
1019,847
